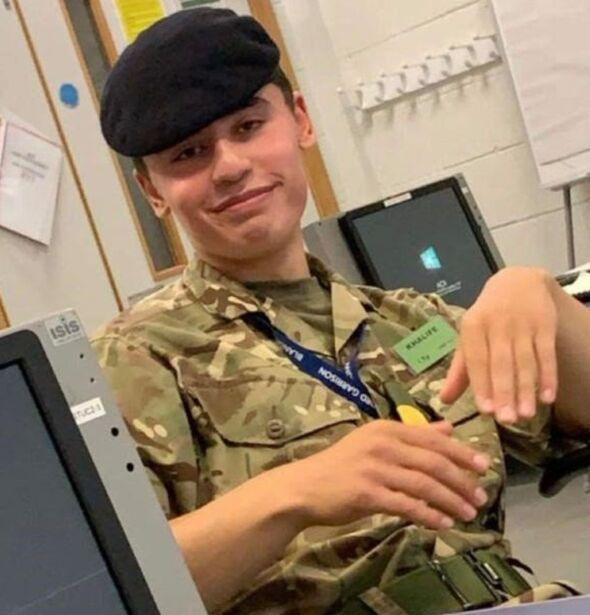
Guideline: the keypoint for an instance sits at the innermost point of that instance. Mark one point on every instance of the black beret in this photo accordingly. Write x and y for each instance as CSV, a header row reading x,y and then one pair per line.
x,y
182,73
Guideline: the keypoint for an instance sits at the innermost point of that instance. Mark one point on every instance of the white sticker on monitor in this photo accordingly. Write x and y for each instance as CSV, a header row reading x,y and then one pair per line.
x,y
88,411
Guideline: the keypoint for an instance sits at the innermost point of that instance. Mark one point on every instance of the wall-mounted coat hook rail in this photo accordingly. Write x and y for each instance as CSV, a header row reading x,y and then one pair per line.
x,y
434,69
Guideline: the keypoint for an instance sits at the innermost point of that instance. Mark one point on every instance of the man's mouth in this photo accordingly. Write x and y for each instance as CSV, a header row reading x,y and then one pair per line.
x,y
248,196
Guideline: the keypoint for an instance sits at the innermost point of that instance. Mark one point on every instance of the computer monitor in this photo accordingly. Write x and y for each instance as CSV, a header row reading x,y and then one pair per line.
x,y
80,527
432,239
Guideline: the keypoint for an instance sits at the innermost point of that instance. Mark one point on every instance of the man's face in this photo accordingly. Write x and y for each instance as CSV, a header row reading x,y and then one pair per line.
x,y
238,186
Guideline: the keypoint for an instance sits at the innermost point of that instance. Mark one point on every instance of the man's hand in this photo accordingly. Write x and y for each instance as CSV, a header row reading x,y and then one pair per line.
x,y
420,473
507,347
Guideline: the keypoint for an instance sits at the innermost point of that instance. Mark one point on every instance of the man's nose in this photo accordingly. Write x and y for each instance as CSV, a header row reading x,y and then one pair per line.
x,y
229,164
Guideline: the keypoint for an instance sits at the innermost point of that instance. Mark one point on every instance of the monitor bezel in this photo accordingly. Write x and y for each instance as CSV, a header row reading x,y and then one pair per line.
x,y
357,245
24,349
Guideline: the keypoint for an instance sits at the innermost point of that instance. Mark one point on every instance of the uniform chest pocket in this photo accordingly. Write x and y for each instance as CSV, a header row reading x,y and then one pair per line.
x,y
274,409
252,424
254,411
249,394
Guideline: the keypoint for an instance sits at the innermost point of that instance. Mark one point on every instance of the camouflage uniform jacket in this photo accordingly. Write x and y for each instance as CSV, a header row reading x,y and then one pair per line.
x,y
211,402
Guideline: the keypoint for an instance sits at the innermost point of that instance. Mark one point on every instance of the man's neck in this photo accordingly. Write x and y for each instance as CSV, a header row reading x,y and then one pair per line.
x,y
289,263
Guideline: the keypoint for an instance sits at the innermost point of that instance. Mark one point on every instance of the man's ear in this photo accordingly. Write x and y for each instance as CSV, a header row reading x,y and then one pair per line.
x,y
151,193
305,128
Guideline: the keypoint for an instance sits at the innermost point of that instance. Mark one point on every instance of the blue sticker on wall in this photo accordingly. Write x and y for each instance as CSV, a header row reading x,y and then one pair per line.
x,y
68,94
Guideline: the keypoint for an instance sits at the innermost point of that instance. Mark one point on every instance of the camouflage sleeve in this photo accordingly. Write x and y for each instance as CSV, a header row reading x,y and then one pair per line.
x,y
153,409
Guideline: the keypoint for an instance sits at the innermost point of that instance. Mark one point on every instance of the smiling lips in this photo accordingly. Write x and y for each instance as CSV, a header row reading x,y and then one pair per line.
x,y
243,197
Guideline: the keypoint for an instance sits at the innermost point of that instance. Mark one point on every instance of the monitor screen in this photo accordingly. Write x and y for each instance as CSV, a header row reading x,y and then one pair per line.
x,y
50,561
428,243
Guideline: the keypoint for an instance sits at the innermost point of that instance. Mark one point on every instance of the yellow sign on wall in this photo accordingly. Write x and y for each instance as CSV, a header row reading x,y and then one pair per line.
x,y
137,15
4,322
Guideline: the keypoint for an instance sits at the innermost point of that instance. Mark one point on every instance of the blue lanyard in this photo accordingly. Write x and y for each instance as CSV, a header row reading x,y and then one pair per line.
x,y
345,380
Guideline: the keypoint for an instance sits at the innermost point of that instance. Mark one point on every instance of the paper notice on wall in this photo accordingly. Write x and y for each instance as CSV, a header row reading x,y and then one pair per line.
x,y
30,169
137,15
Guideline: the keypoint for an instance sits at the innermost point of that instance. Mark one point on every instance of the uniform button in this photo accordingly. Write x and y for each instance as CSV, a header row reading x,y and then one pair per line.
x,y
275,429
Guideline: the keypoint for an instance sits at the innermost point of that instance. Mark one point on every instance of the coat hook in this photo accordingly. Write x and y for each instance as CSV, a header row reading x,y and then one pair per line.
x,y
425,77
392,84
469,62
368,94
487,44
446,71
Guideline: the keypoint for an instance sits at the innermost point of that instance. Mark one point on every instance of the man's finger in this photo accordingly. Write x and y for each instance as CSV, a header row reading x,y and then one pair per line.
x,y
457,452
475,347
435,493
547,362
502,374
457,379
440,470
526,374
443,427
395,504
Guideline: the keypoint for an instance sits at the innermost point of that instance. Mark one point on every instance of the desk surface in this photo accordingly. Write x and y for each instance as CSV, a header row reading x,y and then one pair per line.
x,y
584,267
569,606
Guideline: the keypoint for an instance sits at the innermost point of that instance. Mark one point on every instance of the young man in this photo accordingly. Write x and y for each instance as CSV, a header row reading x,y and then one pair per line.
x,y
304,467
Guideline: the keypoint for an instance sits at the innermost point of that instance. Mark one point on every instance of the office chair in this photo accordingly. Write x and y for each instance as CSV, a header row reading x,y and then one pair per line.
x,y
559,472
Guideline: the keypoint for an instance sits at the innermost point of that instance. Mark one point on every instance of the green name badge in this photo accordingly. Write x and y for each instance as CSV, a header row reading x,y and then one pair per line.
x,y
427,345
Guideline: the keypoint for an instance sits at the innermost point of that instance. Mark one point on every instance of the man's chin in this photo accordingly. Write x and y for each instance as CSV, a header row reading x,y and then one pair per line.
x,y
254,248
253,235
258,238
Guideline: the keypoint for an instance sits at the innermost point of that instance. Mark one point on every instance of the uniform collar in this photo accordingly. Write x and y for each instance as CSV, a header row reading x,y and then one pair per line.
x,y
218,294
227,298
349,304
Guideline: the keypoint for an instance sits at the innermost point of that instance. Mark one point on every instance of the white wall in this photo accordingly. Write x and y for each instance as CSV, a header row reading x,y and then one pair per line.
x,y
471,126
36,280
95,164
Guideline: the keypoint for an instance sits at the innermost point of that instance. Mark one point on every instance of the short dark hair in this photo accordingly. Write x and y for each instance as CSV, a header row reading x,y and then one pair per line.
x,y
279,78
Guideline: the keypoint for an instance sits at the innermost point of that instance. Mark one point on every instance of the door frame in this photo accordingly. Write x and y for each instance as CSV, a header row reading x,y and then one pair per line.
x,y
4,322
317,173
170,230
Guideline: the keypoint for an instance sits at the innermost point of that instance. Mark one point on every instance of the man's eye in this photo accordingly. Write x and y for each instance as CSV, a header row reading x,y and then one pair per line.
x,y
249,126
190,152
